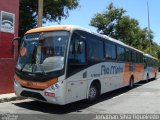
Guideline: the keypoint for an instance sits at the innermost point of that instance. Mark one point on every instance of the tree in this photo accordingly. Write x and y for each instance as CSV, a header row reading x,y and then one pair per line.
x,y
114,23
54,10
158,54
106,22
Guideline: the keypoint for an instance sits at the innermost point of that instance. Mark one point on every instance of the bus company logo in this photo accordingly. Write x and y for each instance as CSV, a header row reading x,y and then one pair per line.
x,y
49,94
111,70
29,84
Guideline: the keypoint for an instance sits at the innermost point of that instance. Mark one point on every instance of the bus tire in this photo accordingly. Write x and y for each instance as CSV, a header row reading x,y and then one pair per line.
x,y
131,82
93,93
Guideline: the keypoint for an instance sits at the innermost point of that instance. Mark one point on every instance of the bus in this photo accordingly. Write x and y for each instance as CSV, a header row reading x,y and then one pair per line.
x,y
66,63
150,67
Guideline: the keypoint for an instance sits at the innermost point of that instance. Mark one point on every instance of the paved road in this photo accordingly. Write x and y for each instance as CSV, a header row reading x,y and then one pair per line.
x,y
144,98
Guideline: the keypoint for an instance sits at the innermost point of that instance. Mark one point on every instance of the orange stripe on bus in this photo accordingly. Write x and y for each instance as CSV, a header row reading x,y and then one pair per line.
x,y
127,75
137,73
51,28
35,85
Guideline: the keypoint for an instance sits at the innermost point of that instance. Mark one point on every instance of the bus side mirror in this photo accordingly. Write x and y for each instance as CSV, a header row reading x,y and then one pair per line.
x,y
19,39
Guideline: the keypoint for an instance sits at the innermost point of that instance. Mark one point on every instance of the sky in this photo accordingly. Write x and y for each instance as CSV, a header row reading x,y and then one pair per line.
x,y
136,9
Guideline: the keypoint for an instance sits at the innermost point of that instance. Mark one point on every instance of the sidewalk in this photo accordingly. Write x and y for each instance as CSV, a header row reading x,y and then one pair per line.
x,y
9,97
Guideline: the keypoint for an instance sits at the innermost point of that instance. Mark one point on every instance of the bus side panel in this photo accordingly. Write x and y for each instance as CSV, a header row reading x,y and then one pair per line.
x,y
76,87
150,71
154,72
138,72
109,74
127,74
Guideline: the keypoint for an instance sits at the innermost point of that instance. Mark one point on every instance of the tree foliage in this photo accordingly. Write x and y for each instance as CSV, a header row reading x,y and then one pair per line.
x,y
106,22
114,23
53,10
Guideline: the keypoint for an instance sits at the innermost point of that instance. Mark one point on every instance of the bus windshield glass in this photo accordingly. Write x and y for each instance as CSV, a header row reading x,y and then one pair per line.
x,y
43,52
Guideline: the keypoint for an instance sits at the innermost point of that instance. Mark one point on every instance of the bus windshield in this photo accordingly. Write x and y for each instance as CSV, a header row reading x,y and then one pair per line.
x,y
43,52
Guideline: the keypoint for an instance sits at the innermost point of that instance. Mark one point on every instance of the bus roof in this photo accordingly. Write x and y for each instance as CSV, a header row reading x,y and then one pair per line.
x,y
148,55
74,27
120,42
56,27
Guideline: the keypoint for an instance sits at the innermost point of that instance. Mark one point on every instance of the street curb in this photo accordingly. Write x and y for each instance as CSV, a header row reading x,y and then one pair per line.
x,y
11,99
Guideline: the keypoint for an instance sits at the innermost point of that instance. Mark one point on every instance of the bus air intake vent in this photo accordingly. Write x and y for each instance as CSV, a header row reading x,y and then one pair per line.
x,y
33,95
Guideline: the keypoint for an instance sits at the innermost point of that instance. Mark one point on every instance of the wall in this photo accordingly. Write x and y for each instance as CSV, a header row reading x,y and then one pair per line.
x,y
8,52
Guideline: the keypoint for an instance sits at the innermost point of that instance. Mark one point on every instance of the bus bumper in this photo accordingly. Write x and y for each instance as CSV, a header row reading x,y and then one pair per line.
x,y
47,95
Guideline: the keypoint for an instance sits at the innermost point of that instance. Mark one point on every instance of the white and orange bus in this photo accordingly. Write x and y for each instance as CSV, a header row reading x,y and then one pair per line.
x,y
150,67
64,64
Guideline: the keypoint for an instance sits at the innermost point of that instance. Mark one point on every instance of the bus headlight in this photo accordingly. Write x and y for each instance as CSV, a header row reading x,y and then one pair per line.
x,y
16,83
54,86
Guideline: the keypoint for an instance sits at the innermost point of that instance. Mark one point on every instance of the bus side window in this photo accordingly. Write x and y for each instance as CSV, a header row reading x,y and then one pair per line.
x,y
110,51
77,54
145,63
120,53
128,55
77,50
95,50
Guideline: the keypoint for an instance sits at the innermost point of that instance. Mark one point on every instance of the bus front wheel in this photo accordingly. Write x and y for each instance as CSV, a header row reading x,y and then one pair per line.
x,y
93,93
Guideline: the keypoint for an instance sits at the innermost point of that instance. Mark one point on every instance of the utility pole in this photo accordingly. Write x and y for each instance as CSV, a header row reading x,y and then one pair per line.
x,y
40,13
149,30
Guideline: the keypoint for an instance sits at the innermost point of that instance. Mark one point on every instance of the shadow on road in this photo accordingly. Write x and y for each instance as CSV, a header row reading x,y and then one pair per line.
x,y
73,107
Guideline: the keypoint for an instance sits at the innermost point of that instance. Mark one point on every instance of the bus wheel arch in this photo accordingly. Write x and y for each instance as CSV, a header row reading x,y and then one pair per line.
x,y
94,90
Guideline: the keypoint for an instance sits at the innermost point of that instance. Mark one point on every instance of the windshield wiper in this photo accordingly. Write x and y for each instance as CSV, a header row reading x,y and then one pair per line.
x,y
35,60
23,67
41,68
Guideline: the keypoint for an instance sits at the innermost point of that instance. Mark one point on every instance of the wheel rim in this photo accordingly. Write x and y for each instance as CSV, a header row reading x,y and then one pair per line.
x,y
92,92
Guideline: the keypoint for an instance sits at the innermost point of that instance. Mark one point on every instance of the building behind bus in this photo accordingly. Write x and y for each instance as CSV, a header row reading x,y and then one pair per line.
x,y
9,12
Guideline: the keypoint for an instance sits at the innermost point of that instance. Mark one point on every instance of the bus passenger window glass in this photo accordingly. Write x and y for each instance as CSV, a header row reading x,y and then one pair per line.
x,y
95,50
128,55
77,54
133,56
138,56
120,54
145,62
77,50
141,58
110,51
